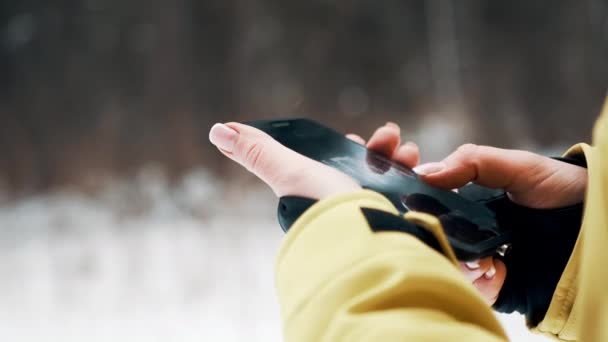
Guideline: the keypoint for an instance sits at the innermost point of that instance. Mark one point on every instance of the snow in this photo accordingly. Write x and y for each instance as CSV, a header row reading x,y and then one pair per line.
x,y
144,261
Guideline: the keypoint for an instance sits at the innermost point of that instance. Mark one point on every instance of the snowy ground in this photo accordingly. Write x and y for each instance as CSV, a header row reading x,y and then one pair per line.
x,y
142,261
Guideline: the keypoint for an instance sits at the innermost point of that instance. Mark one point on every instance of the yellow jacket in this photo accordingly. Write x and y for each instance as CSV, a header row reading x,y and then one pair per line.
x,y
337,280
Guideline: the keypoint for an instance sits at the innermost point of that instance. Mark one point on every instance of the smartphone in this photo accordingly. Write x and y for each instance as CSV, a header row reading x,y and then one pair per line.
x,y
470,227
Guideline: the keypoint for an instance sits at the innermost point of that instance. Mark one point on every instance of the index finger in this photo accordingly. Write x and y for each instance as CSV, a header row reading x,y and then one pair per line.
x,y
512,170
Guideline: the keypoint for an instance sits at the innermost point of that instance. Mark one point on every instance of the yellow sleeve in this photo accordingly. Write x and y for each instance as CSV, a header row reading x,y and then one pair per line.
x,y
579,308
338,280
560,320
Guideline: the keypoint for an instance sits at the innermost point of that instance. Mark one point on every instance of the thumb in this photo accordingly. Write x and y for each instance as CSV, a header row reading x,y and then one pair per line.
x,y
512,170
285,171
251,148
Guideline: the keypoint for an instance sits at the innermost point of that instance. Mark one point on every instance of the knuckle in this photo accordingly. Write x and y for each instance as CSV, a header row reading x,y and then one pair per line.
x,y
468,150
253,155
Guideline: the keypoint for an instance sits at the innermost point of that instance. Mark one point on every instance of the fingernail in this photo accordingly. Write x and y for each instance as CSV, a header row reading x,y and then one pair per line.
x,y
223,137
429,168
490,273
391,124
472,265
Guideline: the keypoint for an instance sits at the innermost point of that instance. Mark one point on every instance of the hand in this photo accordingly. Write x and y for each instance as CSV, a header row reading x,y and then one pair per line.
x,y
285,171
529,179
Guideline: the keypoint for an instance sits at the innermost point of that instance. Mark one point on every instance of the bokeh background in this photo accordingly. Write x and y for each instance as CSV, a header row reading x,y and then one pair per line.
x,y
119,221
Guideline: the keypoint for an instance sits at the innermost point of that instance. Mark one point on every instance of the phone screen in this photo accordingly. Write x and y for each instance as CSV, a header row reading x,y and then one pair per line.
x,y
468,225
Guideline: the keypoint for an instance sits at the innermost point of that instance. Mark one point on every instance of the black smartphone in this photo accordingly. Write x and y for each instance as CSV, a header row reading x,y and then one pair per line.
x,y
470,227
